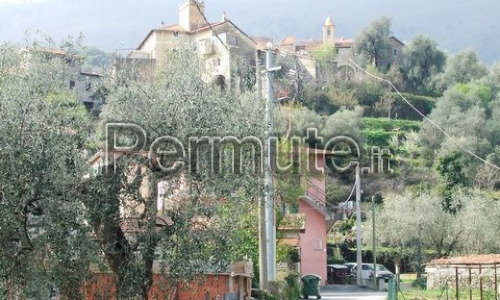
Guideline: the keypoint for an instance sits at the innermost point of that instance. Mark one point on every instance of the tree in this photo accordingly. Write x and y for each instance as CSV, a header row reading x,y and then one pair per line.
x,y
373,42
461,113
414,223
60,217
451,177
463,67
493,78
45,242
419,228
344,123
175,102
325,61
422,60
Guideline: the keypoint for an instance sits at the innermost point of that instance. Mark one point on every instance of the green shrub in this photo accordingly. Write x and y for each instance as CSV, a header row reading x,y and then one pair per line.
x,y
404,111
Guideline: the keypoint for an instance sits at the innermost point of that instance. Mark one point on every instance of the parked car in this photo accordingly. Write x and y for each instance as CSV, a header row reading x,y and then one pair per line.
x,y
367,271
337,273
349,265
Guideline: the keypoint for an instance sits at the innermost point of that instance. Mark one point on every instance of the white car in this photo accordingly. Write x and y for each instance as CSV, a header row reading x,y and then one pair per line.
x,y
367,271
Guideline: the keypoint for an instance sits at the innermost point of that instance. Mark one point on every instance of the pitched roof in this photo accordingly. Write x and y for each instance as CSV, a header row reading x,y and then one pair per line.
x,y
261,42
288,41
396,40
344,43
174,27
467,260
179,28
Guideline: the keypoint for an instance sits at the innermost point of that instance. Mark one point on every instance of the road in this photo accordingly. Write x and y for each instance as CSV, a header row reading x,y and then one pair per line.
x,y
349,292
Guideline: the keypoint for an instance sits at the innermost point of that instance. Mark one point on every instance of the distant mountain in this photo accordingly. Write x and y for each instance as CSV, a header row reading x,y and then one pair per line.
x,y
122,24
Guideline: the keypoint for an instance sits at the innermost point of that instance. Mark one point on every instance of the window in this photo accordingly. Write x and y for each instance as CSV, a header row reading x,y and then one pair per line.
x,y
318,244
88,86
395,51
71,84
234,41
328,32
175,34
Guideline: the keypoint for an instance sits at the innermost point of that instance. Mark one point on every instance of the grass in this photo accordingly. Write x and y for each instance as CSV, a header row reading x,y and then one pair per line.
x,y
436,294
411,291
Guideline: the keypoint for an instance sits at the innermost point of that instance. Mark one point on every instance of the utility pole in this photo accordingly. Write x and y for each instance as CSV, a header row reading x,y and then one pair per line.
x,y
263,279
374,251
267,224
358,227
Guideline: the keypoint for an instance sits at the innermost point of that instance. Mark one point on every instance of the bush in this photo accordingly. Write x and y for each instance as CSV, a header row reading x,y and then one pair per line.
x,y
403,111
399,108
379,131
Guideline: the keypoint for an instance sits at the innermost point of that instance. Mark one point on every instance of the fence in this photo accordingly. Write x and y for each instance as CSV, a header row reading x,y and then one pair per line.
x,y
478,281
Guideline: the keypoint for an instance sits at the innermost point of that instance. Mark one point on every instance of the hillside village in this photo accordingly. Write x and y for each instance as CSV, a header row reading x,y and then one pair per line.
x,y
209,163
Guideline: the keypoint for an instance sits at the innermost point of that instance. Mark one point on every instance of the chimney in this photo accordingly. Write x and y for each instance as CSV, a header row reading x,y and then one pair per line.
x,y
190,17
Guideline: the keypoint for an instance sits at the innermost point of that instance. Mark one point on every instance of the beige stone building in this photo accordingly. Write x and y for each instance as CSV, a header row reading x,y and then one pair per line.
x,y
343,47
305,48
228,52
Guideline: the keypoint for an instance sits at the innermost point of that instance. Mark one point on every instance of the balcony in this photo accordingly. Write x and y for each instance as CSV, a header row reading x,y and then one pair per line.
x,y
206,47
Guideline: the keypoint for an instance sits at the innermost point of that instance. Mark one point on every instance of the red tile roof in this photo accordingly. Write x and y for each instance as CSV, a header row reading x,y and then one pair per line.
x,y
261,42
467,260
288,41
344,43
177,27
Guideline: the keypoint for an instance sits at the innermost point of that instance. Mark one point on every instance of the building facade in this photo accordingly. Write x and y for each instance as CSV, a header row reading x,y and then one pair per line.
x,y
228,53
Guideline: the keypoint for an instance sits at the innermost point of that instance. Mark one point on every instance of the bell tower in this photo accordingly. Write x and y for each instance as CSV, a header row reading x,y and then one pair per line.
x,y
190,16
329,32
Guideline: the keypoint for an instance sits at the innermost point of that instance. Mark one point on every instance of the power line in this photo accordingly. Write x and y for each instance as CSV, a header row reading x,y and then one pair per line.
x,y
210,25
424,116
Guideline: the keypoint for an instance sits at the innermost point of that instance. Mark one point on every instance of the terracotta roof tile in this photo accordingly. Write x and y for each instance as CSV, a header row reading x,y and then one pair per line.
x,y
342,42
175,27
288,41
468,260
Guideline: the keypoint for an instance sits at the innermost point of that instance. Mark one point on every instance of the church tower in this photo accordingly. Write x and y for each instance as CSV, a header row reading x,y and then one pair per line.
x,y
190,17
329,32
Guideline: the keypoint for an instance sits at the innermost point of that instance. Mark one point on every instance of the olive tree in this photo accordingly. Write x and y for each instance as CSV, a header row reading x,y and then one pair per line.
x,y
421,61
45,243
373,43
175,101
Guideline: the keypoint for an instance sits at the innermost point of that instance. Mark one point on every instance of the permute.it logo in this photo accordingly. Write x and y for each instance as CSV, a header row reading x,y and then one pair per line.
x,y
218,154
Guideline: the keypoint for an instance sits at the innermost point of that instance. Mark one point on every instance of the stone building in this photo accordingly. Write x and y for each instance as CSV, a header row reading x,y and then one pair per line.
x,y
466,272
305,48
228,52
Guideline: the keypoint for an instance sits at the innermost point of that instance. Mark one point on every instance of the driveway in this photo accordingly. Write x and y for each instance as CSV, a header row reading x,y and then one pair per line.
x,y
350,292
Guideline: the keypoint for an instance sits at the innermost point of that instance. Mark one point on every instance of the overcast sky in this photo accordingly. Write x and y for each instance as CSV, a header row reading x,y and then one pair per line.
x,y
122,24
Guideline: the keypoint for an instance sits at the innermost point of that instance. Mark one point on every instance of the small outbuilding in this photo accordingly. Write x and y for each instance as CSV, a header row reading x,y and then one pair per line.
x,y
465,273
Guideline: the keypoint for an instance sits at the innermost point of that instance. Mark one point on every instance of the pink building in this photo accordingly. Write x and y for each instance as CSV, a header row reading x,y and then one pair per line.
x,y
318,220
